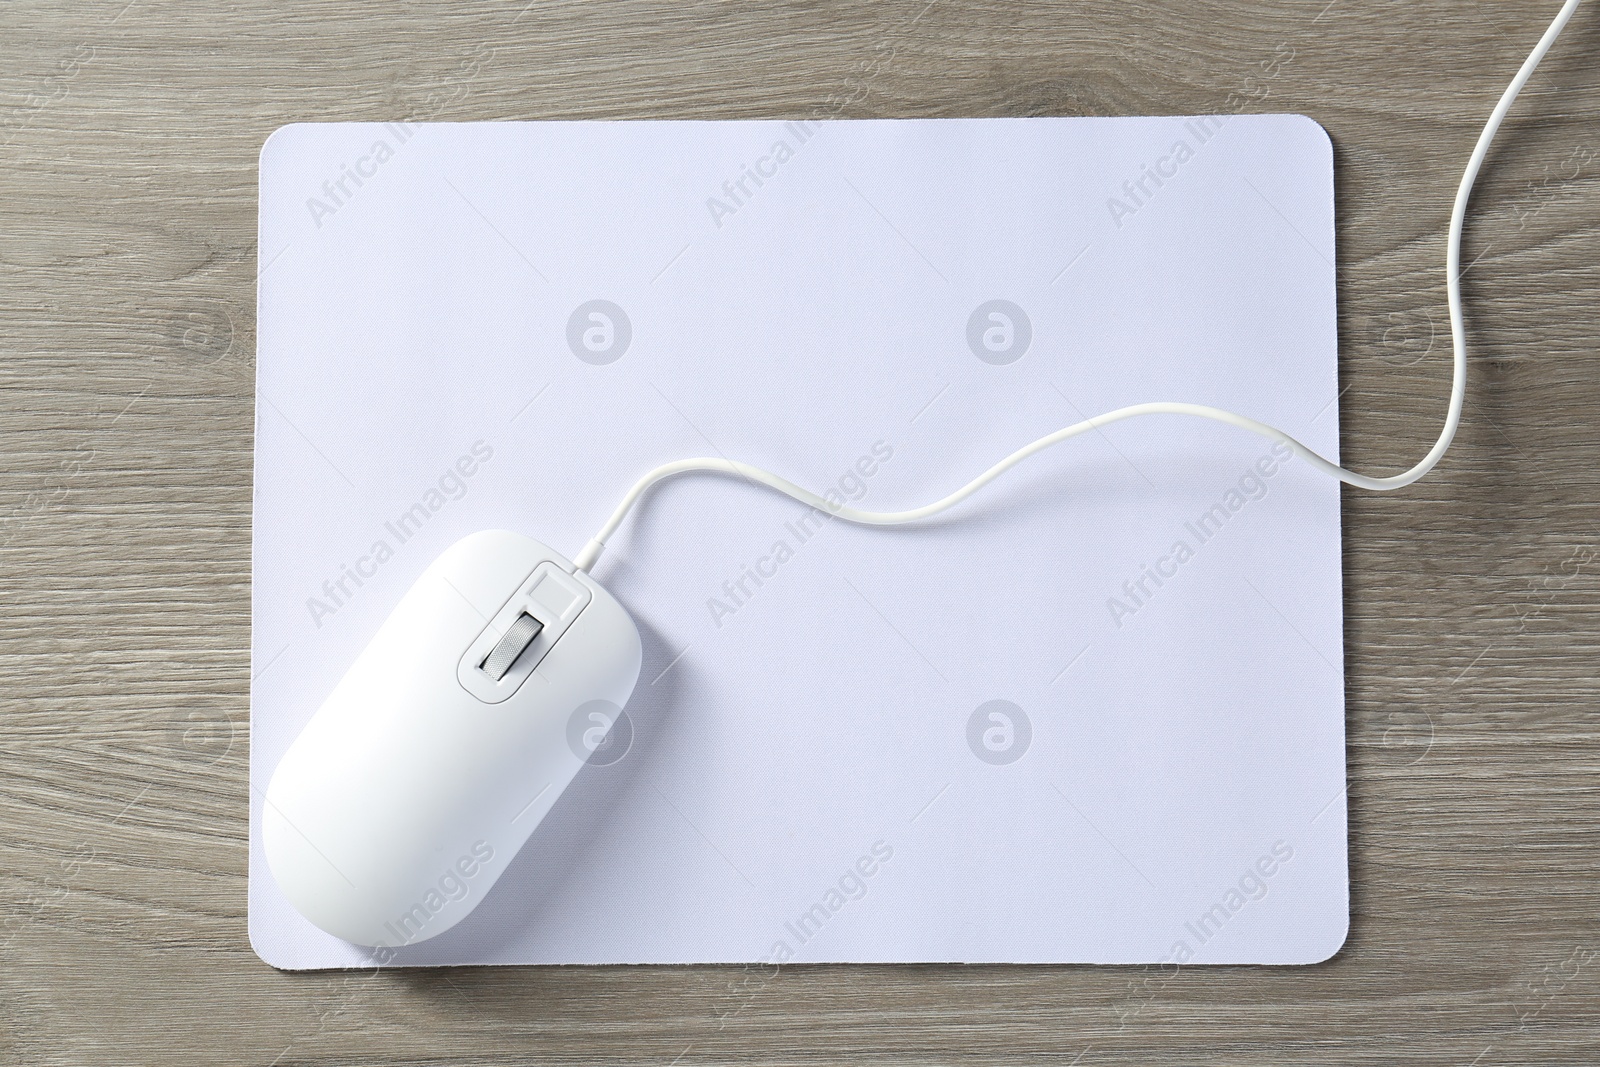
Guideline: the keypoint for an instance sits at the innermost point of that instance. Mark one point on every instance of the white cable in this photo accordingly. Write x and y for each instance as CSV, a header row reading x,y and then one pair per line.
x,y
1458,383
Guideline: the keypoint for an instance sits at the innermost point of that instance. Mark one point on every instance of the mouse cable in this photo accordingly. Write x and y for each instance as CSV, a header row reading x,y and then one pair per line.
x,y
1458,385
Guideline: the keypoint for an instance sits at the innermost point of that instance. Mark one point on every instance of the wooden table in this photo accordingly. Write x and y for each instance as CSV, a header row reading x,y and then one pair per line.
x,y
127,267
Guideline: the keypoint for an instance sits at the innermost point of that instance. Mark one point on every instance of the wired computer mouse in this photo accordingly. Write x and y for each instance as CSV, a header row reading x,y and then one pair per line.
x,y
446,742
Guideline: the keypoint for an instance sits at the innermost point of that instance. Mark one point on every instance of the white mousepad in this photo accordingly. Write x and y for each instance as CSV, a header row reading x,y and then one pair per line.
x,y
1095,714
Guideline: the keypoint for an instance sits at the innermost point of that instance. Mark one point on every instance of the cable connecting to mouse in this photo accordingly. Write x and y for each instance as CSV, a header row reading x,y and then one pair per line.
x,y
1458,384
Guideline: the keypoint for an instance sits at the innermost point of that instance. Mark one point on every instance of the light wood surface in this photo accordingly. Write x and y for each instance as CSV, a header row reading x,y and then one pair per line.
x,y
128,143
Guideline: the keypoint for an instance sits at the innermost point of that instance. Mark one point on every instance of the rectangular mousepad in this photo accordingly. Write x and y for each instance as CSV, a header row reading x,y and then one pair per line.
x,y
1095,714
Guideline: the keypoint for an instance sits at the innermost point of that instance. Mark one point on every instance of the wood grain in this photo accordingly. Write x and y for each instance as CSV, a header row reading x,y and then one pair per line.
x,y
128,142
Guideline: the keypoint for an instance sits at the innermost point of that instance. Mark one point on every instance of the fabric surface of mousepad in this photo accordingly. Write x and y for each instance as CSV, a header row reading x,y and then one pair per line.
x,y
1093,714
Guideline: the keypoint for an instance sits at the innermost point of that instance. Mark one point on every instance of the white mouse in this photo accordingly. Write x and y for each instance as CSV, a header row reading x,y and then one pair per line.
x,y
447,741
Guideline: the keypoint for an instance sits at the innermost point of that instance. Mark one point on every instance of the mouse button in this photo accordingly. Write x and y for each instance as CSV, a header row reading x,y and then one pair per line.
x,y
600,652
484,573
557,592
556,596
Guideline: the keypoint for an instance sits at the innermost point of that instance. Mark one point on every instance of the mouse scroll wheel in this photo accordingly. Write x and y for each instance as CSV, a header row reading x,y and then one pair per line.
x,y
513,644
